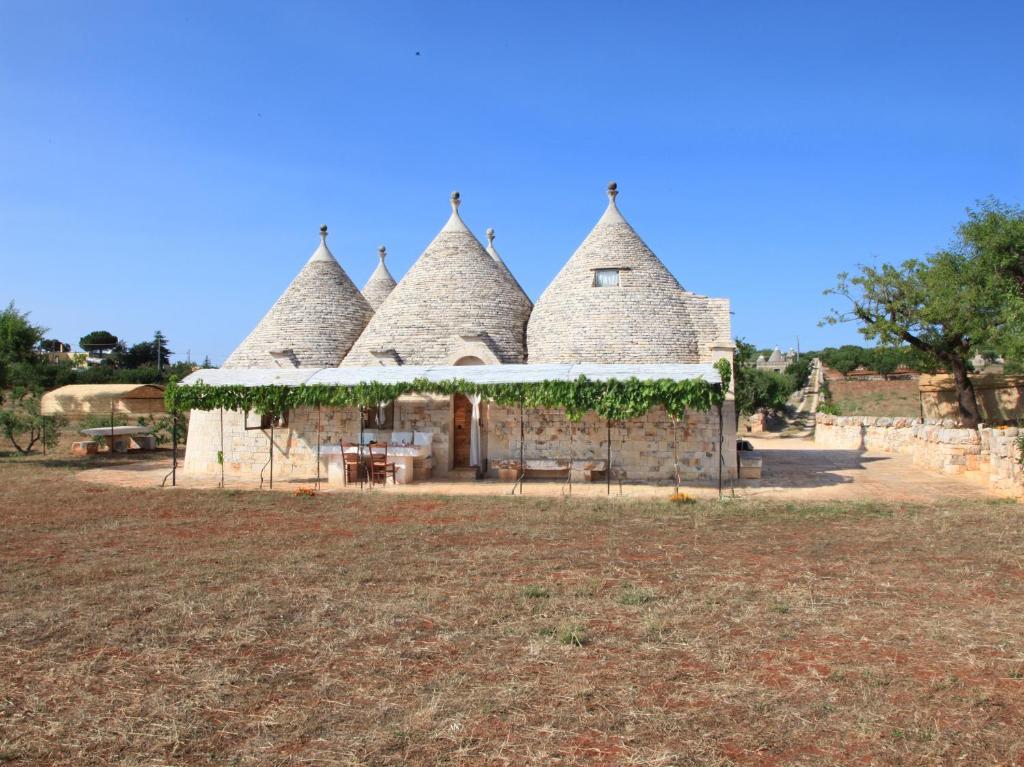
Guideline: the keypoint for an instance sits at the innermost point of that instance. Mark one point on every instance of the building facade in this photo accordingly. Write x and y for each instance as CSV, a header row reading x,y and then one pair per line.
x,y
613,301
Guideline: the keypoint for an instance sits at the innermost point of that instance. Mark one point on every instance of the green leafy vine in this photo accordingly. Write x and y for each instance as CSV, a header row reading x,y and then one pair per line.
x,y
616,400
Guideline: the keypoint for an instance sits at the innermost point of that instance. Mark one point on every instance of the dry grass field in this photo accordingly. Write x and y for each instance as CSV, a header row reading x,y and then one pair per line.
x,y
887,398
236,628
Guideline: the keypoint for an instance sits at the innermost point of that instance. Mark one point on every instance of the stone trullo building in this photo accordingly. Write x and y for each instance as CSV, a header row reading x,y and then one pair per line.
x,y
613,302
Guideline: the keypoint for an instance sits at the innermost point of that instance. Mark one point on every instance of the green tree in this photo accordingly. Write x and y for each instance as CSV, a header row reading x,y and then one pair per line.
x,y
144,354
886,360
98,341
23,425
54,345
162,353
18,337
993,235
758,389
846,358
942,307
799,371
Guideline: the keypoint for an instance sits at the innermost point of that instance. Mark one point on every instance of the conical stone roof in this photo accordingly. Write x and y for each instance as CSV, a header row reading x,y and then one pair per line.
x,y
504,267
454,297
645,318
380,284
314,322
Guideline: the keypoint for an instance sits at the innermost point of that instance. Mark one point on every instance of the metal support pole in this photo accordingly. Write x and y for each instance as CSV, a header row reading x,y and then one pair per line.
x,y
721,456
608,461
570,456
318,447
222,447
174,452
272,452
675,450
111,426
522,461
359,449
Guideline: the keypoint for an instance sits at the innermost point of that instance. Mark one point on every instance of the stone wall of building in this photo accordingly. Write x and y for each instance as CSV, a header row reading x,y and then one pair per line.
x,y
247,451
939,445
642,449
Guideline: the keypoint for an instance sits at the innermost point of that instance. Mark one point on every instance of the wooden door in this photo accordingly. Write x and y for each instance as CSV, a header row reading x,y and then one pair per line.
x,y
462,419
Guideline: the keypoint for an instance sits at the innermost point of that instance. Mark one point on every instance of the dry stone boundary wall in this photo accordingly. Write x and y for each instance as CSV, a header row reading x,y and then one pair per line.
x,y
939,445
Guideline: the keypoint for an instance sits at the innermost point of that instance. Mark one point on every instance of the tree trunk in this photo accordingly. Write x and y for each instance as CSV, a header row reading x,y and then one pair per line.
x,y
970,415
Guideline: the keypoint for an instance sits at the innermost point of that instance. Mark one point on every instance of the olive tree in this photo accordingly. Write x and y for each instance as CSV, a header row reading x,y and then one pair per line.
x,y
24,426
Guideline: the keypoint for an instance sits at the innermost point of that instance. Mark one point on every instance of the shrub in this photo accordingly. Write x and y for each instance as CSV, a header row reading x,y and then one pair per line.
x,y
574,634
22,423
634,597
533,591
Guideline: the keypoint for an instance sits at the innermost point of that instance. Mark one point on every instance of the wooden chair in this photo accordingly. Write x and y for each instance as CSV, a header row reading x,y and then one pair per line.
x,y
380,469
354,467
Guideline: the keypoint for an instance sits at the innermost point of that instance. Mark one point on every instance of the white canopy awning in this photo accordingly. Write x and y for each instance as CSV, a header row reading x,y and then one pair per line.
x,y
479,374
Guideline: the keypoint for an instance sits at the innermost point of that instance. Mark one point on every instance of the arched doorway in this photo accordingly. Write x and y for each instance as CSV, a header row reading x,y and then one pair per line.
x,y
462,422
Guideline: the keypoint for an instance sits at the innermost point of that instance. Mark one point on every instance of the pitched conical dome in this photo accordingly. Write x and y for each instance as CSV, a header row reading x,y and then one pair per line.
x,y
454,298
613,301
504,268
313,323
380,284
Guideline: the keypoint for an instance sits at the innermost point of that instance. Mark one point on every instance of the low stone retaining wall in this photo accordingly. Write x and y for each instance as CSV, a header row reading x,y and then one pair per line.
x,y
938,445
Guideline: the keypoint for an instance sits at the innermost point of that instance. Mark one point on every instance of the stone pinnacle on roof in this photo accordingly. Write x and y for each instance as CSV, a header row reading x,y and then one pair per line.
x,y
504,267
313,323
454,302
638,313
455,222
380,284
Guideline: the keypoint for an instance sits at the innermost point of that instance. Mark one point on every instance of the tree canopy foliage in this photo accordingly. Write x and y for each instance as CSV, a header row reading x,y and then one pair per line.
x,y
24,426
881,359
993,236
99,341
19,339
756,388
958,302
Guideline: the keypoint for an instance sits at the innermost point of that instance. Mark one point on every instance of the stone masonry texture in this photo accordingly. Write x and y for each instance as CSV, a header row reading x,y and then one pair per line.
x,y
454,289
318,317
647,318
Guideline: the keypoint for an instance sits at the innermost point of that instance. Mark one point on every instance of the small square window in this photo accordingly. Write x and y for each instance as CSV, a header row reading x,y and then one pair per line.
x,y
265,421
380,417
606,278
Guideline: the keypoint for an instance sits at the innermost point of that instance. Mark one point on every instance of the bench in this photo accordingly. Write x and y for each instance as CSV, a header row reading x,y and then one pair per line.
x,y
583,470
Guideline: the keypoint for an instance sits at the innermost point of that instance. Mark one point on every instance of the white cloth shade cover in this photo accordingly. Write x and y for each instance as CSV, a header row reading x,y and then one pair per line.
x,y
483,374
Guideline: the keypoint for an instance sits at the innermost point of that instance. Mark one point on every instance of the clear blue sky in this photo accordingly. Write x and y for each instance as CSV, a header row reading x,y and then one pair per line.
x,y
167,165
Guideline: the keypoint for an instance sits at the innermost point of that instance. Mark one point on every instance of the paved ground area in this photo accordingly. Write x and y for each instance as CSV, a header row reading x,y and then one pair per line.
x,y
794,469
